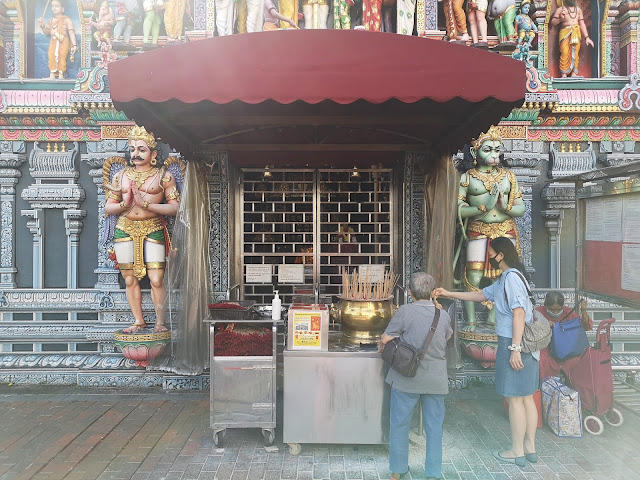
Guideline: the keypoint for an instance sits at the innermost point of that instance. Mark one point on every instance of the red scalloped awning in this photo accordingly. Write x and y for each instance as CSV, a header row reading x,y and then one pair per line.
x,y
201,92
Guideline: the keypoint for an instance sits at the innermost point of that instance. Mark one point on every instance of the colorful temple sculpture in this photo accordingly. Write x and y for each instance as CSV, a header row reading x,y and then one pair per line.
x,y
61,295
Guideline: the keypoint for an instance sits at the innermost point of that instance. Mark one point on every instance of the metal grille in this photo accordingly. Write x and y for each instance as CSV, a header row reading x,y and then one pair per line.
x,y
322,219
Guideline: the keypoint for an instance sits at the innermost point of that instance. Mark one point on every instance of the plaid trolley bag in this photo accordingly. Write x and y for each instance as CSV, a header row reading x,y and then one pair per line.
x,y
561,407
592,377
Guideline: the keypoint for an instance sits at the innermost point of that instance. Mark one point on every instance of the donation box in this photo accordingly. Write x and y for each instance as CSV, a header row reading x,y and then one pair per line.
x,y
308,327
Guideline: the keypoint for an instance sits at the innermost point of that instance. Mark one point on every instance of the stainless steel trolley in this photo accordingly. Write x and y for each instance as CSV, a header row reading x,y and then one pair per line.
x,y
243,388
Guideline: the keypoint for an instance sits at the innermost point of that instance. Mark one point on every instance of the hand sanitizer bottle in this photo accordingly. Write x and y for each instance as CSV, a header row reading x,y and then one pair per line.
x,y
276,306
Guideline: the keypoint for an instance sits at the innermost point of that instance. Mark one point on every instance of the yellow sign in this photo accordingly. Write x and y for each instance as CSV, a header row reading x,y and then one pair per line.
x,y
307,329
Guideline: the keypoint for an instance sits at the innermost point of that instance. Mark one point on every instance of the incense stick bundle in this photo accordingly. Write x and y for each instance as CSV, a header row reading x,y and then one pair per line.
x,y
357,287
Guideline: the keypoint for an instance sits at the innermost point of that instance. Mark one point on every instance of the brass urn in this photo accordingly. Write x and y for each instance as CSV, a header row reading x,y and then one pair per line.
x,y
363,321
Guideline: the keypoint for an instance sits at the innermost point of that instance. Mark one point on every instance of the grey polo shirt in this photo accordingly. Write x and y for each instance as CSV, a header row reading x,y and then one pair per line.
x,y
411,323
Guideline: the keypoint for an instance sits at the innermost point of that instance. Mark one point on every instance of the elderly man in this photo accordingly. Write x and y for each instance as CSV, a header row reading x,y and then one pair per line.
x,y
412,323
141,195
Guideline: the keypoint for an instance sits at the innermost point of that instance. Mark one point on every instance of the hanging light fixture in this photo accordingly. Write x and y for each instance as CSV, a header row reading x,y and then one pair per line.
x,y
267,173
355,174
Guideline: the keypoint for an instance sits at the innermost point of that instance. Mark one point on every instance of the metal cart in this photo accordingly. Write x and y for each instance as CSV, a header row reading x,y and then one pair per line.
x,y
243,388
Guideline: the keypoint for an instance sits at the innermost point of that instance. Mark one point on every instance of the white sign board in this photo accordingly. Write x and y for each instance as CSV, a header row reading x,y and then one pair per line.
x,y
291,274
258,273
631,267
375,272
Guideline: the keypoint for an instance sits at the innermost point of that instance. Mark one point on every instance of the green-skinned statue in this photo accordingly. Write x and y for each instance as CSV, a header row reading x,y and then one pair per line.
x,y
488,200
503,13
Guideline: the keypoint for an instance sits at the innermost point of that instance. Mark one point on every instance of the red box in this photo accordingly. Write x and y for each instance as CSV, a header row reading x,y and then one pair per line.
x,y
536,398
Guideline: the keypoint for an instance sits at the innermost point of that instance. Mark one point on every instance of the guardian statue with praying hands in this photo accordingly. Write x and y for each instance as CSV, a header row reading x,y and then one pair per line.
x,y
139,195
488,200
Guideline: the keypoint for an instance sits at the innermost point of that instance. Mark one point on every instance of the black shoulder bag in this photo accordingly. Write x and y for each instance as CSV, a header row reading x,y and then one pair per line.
x,y
404,358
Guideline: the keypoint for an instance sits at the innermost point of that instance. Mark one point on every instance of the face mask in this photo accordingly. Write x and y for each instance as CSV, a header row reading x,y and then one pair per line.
x,y
554,315
495,264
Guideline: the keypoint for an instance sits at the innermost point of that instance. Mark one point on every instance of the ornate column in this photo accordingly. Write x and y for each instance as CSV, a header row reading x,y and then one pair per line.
x,y
524,159
12,156
14,42
426,16
540,17
36,227
219,223
413,221
73,227
553,224
97,153
629,46
204,20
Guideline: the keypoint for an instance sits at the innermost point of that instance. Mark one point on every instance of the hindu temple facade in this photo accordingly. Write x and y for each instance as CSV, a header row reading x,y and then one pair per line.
x,y
61,297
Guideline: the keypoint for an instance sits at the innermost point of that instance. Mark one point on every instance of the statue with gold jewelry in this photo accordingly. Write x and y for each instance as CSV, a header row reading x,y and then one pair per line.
x,y
139,196
488,200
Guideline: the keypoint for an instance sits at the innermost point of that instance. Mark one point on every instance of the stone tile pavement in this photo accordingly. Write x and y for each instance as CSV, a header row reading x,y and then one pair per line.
x,y
52,433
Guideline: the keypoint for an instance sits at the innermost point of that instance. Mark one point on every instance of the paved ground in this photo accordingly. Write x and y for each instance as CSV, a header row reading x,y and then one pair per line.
x,y
76,434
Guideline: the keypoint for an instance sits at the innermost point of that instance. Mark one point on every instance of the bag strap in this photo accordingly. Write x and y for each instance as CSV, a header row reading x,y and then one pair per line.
x,y
432,331
526,285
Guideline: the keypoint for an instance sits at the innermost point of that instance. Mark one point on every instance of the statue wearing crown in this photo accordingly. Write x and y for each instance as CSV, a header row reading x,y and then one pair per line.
x,y
139,195
488,200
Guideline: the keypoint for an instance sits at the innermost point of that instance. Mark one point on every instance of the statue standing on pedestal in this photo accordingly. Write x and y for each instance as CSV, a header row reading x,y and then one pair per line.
x,y
526,28
488,200
455,20
63,40
126,12
571,20
139,196
104,24
152,20
503,13
341,14
315,13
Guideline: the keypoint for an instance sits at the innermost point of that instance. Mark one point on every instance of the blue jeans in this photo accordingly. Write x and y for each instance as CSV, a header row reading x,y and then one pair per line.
x,y
402,405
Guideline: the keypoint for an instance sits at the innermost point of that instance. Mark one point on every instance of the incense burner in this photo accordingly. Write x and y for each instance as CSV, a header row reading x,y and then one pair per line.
x,y
363,321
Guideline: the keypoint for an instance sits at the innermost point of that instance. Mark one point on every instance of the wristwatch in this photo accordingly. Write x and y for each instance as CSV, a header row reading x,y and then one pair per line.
x,y
515,348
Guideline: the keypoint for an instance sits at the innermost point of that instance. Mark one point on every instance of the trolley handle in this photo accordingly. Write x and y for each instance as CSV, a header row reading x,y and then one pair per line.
x,y
603,332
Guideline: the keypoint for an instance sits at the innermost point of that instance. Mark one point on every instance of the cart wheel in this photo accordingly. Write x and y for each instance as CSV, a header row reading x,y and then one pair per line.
x,y
218,438
593,425
269,436
614,417
295,448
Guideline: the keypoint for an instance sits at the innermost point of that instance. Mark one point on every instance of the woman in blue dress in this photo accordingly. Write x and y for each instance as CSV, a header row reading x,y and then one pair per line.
x,y
516,372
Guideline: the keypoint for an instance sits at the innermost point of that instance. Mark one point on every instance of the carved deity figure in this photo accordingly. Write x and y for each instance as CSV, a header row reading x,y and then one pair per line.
x,y
477,15
572,30
341,14
455,20
488,200
526,28
152,20
140,196
503,13
315,14
174,18
371,15
63,40
272,17
250,15
289,10
104,24
126,14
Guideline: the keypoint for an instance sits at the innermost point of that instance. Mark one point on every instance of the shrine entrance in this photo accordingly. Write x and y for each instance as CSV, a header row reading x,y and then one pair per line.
x,y
300,229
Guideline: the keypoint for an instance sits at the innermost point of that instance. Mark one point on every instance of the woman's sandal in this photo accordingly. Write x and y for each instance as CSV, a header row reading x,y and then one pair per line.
x,y
135,327
531,457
